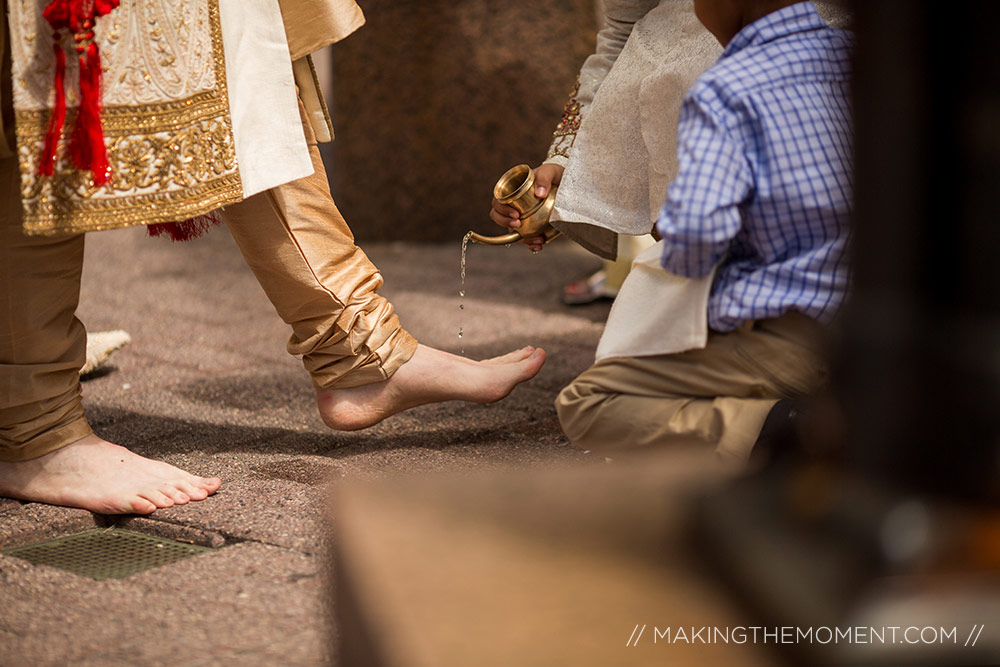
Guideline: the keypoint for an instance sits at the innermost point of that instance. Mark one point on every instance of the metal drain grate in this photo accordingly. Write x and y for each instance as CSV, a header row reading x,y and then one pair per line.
x,y
105,553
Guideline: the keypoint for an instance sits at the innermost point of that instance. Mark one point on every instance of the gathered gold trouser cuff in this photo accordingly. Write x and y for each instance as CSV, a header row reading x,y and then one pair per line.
x,y
718,396
303,254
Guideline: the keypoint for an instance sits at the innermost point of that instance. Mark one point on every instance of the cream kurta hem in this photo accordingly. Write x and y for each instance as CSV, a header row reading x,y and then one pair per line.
x,y
200,111
166,118
625,153
270,144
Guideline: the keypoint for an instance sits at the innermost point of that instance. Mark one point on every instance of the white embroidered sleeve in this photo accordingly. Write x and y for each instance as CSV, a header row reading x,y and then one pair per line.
x,y
620,16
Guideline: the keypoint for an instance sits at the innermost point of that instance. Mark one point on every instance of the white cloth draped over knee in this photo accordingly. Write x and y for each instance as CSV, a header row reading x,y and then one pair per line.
x,y
656,312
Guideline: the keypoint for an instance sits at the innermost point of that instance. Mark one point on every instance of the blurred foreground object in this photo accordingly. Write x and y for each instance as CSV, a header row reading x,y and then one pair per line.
x,y
547,567
921,375
884,510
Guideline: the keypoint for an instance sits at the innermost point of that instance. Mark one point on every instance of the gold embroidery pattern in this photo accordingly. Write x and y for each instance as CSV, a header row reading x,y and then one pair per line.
x,y
152,51
565,134
161,177
171,160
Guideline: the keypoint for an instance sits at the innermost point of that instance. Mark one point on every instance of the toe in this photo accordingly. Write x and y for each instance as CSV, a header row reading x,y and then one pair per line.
x,y
158,498
198,494
534,363
192,489
209,484
511,357
199,488
141,506
175,494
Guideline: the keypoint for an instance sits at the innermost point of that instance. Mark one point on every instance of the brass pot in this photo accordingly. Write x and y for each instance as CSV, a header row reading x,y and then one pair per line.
x,y
516,188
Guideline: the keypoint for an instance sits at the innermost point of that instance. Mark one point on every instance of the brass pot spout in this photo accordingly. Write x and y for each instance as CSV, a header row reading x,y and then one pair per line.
x,y
513,237
516,188
494,240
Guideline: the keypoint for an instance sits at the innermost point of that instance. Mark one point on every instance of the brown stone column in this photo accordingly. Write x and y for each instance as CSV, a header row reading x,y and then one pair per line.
x,y
434,100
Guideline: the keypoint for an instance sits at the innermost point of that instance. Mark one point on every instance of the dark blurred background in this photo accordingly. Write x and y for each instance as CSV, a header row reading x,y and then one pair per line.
x,y
433,100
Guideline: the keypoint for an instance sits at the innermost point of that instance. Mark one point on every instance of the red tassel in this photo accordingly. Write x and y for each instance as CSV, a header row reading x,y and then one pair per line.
x,y
86,146
46,167
60,14
86,143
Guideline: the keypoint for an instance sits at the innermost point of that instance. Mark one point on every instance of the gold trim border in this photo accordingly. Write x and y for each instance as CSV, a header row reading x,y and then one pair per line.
x,y
121,120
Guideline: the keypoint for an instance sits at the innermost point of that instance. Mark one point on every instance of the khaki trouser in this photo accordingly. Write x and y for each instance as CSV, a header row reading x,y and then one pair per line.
x,y
295,241
718,396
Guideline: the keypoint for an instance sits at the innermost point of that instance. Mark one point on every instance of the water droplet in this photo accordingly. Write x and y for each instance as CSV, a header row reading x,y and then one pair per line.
x,y
461,293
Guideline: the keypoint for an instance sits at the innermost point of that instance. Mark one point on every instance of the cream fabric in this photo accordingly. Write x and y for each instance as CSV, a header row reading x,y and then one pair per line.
x,y
215,122
311,25
622,162
618,17
270,146
101,345
624,157
656,312
311,94
626,151
165,117
134,72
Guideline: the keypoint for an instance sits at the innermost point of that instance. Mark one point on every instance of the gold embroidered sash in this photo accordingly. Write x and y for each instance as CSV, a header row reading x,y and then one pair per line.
x,y
166,118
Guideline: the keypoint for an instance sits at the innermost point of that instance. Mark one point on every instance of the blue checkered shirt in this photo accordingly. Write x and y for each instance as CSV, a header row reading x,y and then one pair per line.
x,y
765,177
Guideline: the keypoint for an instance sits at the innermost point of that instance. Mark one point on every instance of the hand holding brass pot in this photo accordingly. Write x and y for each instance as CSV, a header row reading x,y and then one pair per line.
x,y
516,188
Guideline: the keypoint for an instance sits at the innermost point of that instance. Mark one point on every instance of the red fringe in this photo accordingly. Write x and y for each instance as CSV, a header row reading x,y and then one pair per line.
x,y
186,230
46,166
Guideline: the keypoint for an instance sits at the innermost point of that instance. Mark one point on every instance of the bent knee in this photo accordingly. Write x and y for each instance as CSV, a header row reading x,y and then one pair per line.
x,y
579,407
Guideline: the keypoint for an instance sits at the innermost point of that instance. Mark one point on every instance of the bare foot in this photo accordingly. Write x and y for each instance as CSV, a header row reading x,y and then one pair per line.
x,y
95,475
430,376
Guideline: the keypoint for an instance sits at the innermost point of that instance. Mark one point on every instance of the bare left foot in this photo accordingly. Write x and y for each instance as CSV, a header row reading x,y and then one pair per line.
x,y
96,475
430,376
